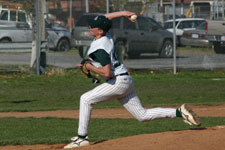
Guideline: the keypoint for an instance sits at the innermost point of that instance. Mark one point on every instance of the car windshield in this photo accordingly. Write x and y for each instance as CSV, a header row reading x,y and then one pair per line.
x,y
154,22
4,15
22,17
202,25
13,15
169,25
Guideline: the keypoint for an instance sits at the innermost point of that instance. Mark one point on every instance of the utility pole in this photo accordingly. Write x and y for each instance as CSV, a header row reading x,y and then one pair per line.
x,y
107,6
217,9
71,4
182,7
87,6
39,35
223,10
174,38
161,10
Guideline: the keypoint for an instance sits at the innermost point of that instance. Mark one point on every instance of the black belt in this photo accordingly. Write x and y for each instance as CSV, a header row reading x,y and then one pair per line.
x,y
117,64
122,74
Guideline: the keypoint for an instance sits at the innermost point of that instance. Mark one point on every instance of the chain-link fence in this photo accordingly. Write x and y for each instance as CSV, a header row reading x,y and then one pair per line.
x,y
193,51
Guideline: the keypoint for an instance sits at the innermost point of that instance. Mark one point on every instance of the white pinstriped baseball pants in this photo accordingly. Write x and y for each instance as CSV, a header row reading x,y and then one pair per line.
x,y
121,88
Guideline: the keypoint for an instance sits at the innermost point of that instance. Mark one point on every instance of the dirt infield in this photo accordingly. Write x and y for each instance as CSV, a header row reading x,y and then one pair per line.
x,y
212,111
201,139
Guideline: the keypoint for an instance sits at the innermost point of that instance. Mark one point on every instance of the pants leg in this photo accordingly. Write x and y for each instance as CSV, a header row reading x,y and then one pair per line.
x,y
132,103
113,89
121,88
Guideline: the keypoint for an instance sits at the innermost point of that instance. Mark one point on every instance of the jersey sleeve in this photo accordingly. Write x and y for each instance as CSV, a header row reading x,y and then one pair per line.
x,y
101,56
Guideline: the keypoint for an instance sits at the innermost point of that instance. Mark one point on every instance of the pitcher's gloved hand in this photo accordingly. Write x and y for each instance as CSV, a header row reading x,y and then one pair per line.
x,y
87,72
84,69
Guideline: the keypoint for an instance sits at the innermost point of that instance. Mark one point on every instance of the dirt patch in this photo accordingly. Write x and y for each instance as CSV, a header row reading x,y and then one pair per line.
x,y
212,111
199,139
202,139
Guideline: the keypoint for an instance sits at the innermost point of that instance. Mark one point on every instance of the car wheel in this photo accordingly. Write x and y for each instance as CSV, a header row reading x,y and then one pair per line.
x,y
63,45
167,49
218,48
121,51
5,40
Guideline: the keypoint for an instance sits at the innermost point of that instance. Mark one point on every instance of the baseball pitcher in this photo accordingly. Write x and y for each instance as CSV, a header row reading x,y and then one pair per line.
x,y
119,84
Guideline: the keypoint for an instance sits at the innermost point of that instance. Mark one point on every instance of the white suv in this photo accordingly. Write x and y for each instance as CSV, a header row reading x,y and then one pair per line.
x,y
183,24
15,26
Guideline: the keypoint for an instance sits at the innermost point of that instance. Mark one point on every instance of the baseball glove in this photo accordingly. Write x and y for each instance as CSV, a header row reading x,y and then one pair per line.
x,y
84,68
88,72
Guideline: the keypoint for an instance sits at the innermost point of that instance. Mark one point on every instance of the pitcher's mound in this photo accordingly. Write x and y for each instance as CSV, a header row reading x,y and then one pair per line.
x,y
199,139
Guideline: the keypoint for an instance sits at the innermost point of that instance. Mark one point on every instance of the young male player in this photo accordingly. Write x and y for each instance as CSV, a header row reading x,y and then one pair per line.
x,y
119,83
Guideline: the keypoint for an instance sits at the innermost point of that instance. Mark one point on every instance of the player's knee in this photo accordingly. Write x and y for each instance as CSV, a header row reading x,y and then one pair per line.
x,y
84,99
142,118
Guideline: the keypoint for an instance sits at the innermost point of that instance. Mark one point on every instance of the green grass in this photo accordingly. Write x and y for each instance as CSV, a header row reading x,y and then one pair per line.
x,y
20,131
188,50
24,92
63,88
205,48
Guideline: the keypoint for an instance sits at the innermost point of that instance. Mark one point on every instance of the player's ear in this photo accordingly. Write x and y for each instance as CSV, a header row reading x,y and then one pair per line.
x,y
102,32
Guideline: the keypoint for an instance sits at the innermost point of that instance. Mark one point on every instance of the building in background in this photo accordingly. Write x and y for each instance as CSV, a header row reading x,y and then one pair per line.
x,y
213,10
160,10
61,9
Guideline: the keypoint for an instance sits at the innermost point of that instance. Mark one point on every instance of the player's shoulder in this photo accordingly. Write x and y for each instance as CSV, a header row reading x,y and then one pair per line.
x,y
106,39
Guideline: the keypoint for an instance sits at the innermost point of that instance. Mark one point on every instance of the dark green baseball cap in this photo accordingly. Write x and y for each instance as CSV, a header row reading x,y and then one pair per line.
x,y
101,22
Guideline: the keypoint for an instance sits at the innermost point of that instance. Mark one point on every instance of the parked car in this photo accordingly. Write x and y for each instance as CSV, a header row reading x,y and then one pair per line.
x,y
183,24
16,27
216,30
131,39
196,37
59,38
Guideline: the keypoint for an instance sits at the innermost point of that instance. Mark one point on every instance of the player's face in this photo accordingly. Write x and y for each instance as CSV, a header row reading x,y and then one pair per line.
x,y
96,32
